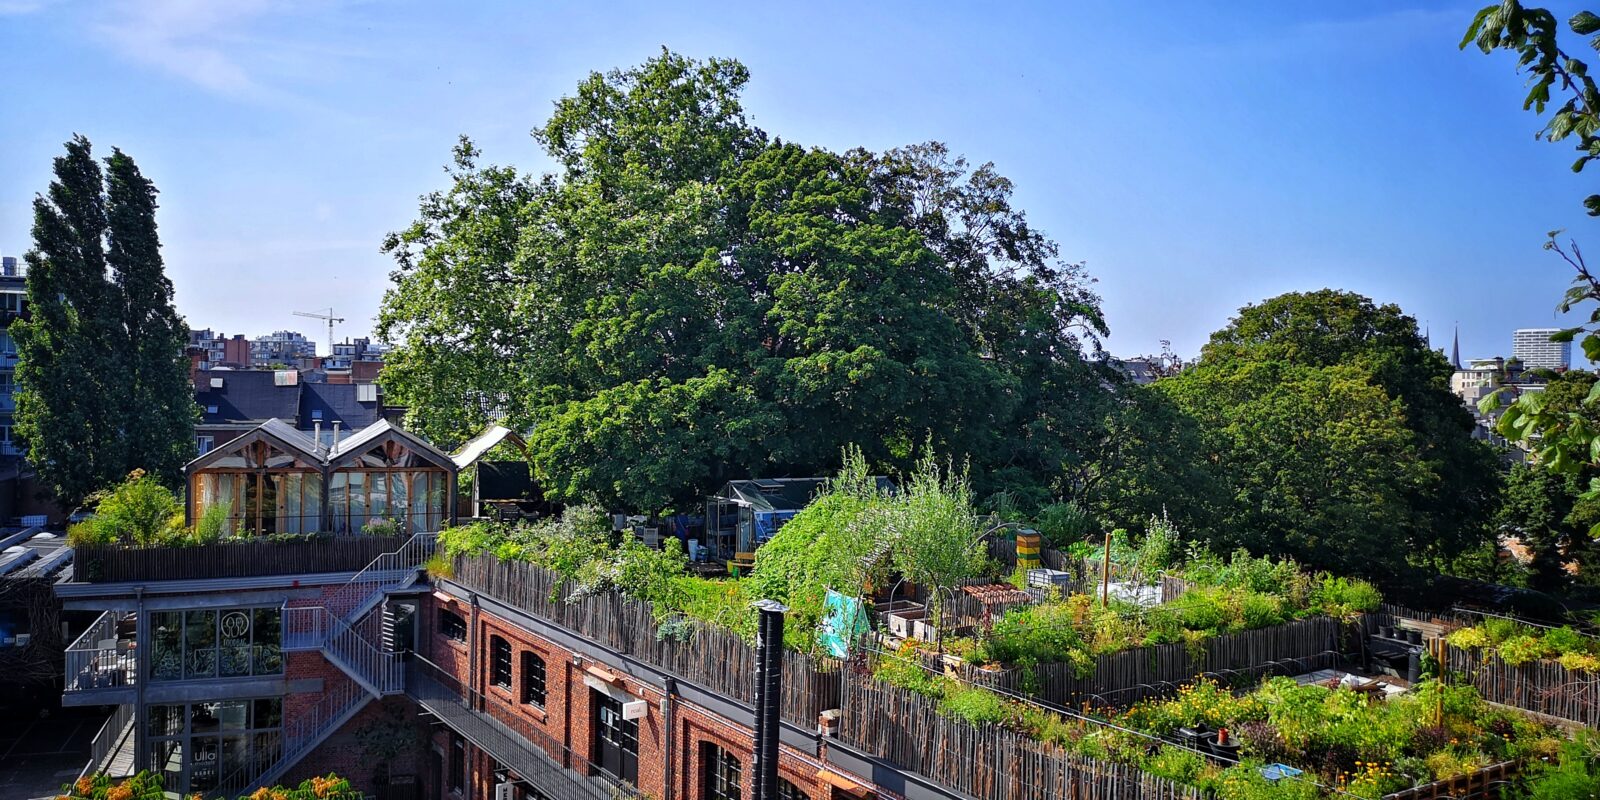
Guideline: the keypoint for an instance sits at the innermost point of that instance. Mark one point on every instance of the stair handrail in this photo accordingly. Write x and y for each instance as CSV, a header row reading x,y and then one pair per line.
x,y
299,735
359,588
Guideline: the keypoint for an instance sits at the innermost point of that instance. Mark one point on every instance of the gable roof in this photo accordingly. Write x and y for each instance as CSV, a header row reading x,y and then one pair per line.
x,y
246,396
481,444
355,445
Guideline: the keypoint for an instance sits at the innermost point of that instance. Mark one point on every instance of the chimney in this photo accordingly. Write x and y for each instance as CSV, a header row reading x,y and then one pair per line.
x,y
316,428
335,433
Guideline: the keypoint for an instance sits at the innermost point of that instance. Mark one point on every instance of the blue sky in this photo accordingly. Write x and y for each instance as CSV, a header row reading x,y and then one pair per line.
x,y
1197,157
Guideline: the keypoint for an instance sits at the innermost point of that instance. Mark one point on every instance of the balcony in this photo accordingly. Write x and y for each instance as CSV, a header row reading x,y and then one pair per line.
x,y
101,664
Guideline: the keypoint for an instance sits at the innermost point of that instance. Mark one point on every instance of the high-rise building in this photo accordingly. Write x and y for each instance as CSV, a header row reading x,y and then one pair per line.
x,y
281,347
1532,346
13,303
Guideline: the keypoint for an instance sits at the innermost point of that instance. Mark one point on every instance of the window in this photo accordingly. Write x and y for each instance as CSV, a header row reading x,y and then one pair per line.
x,y
458,765
196,746
452,626
532,679
211,409
203,444
616,740
216,643
789,791
499,663
720,773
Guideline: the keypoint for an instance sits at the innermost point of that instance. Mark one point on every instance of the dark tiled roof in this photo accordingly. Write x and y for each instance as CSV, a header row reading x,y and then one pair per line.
x,y
245,396
335,401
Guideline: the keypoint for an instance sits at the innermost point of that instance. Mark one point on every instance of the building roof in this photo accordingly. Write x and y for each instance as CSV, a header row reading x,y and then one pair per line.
x,y
481,444
335,402
779,494
245,396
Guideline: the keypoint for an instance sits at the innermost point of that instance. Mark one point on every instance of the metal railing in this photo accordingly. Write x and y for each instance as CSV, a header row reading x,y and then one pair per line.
x,y
97,659
301,732
106,741
316,628
386,570
516,742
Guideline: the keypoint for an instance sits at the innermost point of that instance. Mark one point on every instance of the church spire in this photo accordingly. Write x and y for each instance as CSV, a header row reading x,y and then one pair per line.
x,y
1455,349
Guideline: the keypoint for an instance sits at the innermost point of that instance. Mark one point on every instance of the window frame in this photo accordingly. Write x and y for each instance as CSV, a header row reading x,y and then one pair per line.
x,y
721,773
452,626
499,662
534,680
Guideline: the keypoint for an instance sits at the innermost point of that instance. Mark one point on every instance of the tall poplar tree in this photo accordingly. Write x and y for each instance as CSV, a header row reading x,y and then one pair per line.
x,y
102,389
159,411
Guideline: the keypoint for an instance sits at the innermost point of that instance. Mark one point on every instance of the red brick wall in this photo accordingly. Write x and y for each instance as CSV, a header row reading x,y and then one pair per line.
x,y
568,712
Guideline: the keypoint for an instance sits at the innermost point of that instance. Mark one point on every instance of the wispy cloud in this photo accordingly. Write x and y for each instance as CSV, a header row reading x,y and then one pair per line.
x,y
201,41
22,6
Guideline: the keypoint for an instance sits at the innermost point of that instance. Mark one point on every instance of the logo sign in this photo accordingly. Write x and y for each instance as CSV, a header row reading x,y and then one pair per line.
x,y
235,625
635,710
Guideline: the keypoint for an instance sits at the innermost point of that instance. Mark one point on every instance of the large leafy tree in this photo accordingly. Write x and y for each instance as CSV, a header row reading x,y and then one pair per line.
x,y
1433,506
102,385
686,300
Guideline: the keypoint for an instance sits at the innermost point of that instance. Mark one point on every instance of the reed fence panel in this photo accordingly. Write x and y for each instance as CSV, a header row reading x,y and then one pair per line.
x,y
1485,783
988,762
705,655
1543,687
1123,678
116,563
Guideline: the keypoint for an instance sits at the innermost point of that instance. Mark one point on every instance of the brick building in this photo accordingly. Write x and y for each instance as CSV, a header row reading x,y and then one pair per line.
x,y
238,665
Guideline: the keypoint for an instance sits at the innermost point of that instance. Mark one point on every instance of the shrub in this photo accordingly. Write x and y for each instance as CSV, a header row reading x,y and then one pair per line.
x,y
1520,649
147,786
381,526
1468,638
1564,640
1345,597
137,511
1580,662
976,706
1183,766
1063,523
214,523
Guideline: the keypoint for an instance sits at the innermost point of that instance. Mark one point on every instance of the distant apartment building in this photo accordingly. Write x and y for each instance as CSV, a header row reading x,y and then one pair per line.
x,y
350,352
281,347
220,349
13,303
1532,346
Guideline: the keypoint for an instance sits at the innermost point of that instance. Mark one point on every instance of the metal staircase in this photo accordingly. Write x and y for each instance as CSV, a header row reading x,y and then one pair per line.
x,y
351,636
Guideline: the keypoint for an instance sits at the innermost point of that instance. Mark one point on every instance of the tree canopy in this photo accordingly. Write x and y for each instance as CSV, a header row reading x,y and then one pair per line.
x,y
1330,423
687,299
102,379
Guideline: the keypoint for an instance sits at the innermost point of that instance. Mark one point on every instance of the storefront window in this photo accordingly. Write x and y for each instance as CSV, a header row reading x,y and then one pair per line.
x,y
225,643
222,742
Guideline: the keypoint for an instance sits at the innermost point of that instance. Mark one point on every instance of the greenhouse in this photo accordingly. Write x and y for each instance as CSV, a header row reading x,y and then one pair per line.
x,y
276,480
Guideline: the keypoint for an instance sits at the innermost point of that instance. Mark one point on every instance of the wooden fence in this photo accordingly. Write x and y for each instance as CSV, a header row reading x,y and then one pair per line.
x,y
1543,687
115,563
1488,782
708,656
1121,679
988,762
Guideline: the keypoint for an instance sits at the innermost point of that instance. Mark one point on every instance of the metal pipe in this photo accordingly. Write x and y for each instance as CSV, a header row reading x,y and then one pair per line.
x,y
768,699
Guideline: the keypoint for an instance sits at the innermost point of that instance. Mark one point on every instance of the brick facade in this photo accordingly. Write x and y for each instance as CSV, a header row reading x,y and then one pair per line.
x,y
568,714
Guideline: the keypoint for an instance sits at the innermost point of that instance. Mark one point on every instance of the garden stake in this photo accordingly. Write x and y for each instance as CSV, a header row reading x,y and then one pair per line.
x,y
1105,574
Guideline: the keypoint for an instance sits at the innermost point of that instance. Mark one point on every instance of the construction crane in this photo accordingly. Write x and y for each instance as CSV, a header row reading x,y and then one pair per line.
x,y
329,317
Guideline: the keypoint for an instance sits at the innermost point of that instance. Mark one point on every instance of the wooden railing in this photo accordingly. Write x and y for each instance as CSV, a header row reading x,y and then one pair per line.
x,y
705,655
116,563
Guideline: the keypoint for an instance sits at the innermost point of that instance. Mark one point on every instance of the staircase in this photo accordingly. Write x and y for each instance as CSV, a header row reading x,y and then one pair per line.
x,y
350,636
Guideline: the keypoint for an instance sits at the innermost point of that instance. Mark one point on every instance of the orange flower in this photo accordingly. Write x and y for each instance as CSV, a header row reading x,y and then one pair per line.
x,y
85,783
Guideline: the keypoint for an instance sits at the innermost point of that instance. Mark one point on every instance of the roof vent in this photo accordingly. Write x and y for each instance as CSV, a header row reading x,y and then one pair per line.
x,y
216,383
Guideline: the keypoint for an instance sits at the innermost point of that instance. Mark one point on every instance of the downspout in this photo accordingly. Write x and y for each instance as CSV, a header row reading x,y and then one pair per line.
x,y
141,633
668,690
474,697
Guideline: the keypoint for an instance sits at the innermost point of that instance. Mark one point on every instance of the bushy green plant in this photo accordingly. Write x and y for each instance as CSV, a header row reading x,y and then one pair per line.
x,y
1064,523
1573,774
976,706
1161,548
381,526
138,511
214,523
1345,597
1174,764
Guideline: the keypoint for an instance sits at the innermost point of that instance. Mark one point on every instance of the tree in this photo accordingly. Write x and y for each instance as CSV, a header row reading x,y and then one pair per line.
x,y
1318,463
157,412
66,348
686,299
102,384
1331,328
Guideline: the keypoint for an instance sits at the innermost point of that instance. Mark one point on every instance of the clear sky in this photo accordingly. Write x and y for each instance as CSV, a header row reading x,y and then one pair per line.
x,y
1197,156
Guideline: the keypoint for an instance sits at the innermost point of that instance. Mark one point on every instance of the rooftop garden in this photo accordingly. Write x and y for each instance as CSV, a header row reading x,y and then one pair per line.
x,y
1518,644
1340,739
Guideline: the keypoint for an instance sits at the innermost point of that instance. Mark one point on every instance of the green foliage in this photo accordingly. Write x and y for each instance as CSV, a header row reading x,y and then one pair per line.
x,y
687,300
138,511
381,526
214,523
976,706
1575,773
1332,426
1521,644
1062,524
1345,597
103,384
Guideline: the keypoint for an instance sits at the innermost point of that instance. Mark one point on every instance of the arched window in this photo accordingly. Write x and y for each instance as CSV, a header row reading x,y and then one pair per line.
x,y
720,773
499,662
789,791
532,679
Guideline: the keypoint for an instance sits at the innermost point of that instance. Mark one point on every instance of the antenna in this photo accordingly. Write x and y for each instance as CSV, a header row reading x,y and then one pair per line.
x,y
330,319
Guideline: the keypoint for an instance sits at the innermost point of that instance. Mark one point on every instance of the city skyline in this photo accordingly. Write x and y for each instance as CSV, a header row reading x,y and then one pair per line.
x,y
276,193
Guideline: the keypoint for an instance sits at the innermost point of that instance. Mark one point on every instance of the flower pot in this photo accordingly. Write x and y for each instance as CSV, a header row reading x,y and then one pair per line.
x,y
1414,636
